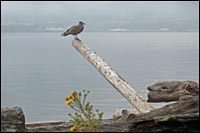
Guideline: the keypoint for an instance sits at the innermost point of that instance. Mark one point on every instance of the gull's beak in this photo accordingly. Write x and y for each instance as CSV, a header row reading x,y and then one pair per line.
x,y
83,23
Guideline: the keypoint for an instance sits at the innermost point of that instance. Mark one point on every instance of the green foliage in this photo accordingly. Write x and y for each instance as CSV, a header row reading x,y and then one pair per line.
x,y
85,118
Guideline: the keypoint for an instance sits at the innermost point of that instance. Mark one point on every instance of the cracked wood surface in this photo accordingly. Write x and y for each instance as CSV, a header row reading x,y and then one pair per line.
x,y
112,77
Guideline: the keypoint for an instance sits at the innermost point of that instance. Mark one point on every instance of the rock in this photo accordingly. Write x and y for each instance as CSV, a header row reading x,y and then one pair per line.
x,y
166,91
12,120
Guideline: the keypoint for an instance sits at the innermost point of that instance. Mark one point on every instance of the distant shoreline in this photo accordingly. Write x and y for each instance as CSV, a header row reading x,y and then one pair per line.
x,y
93,31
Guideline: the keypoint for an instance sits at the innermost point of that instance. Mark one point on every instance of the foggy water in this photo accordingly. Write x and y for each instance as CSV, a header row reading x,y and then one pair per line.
x,y
39,69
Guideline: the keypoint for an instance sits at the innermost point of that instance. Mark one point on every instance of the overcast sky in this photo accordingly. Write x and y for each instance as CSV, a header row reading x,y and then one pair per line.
x,y
99,8
70,12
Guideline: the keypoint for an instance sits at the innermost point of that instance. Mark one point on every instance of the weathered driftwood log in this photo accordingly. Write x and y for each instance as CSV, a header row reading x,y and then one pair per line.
x,y
181,116
112,77
166,91
120,114
185,105
182,123
48,126
12,120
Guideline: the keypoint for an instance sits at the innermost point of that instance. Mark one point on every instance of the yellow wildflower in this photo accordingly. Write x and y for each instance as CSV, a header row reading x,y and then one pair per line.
x,y
81,128
70,96
72,128
69,101
67,97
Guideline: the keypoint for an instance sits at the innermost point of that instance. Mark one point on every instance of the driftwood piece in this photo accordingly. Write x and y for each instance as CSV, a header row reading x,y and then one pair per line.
x,y
166,91
12,120
120,114
112,77
180,116
177,117
48,126
186,105
183,123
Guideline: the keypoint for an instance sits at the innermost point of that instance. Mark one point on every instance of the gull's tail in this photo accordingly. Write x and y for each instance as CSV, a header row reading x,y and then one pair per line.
x,y
64,34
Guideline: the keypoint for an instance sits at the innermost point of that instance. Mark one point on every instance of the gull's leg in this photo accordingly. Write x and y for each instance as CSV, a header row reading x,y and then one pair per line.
x,y
76,37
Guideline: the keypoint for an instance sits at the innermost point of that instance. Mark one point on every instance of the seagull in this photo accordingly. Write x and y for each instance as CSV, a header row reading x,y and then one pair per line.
x,y
75,30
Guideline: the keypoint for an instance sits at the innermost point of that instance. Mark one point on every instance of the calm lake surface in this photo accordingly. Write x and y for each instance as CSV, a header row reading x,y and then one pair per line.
x,y
39,69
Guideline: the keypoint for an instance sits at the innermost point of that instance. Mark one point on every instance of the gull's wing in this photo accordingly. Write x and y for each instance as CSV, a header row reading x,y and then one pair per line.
x,y
75,29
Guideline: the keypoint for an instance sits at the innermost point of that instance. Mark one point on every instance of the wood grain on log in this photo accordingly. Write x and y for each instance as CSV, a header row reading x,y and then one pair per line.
x,y
112,77
180,117
166,91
